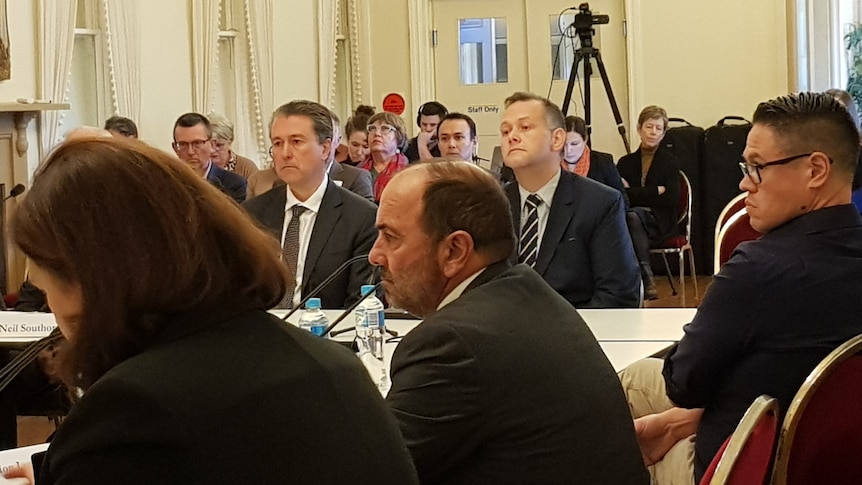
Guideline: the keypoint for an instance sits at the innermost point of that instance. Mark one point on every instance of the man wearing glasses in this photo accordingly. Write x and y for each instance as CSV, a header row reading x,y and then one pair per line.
x,y
194,145
319,224
778,306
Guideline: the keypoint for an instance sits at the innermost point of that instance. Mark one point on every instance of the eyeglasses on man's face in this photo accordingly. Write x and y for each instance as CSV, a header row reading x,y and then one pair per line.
x,y
184,146
383,129
753,169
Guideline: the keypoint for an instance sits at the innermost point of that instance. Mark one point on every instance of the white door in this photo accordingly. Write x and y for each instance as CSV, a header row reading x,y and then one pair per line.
x,y
488,49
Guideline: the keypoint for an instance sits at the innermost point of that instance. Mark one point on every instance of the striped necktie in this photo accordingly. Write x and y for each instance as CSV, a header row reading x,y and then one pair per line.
x,y
529,244
290,254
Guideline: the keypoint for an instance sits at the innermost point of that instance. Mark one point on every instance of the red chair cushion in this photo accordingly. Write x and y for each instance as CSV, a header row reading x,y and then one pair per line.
x,y
674,242
827,446
736,234
752,465
710,470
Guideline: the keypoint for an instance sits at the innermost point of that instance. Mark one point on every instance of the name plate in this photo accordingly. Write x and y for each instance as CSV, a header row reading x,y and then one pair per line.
x,y
18,456
25,326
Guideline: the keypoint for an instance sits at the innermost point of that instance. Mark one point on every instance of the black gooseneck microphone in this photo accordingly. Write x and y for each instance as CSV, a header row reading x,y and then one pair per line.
x,y
26,357
17,190
329,279
350,309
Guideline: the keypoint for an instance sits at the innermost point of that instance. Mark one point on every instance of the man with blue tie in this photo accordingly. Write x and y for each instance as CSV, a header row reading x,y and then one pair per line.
x,y
572,230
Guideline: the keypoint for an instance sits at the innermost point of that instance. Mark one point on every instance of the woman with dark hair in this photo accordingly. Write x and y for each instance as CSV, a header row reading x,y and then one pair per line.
x,y
387,138
651,178
160,284
356,136
580,159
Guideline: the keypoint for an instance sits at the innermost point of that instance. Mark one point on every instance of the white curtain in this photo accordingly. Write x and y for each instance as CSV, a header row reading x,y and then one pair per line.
x,y
205,28
258,26
327,28
57,39
353,39
123,44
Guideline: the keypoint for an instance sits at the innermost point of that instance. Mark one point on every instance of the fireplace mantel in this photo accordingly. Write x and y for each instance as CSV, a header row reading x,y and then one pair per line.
x,y
22,114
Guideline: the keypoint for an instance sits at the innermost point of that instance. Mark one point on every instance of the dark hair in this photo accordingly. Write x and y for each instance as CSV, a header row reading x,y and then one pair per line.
x,y
844,98
653,112
359,120
395,121
553,115
808,122
145,238
431,108
321,117
460,196
189,120
460,116
122,125
577,125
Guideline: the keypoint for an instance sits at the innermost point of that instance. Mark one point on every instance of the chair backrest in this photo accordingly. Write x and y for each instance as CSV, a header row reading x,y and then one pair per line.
x,y
745,456
736,230
684,204
821,436
730,209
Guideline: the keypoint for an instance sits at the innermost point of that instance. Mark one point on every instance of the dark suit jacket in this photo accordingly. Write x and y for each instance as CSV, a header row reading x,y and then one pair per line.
x,y
507,385
353,179
586,252
231,396
230,183
663,171
603,169
344,228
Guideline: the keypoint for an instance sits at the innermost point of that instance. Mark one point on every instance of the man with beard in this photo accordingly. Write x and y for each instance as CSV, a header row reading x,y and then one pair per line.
x,y
502,382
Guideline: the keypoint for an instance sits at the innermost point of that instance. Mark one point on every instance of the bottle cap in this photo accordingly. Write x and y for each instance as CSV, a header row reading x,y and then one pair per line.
x,y
312,304
366,289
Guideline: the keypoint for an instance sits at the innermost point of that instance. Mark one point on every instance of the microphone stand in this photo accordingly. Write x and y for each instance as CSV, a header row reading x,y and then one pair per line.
x,y
26,357
324,284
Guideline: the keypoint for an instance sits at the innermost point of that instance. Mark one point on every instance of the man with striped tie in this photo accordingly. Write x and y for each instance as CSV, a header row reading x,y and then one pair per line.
x,y
319,224
571,229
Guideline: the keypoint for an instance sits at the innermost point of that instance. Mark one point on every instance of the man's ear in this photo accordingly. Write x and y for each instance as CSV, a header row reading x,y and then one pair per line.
x,y
454,252
558,139
820,167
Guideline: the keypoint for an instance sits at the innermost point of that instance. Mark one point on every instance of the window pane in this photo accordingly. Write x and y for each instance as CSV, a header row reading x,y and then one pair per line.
x,y
83,87
483,51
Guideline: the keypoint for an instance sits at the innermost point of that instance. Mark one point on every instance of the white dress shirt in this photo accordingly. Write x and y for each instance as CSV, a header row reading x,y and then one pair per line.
x,y
306,226
458,290
546,193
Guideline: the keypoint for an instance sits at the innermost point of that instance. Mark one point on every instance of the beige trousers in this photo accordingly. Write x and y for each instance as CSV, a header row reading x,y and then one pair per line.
x,y
645,391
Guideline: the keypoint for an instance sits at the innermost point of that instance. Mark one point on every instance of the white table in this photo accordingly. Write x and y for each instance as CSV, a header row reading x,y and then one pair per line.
x,y
623,354
608,325
638,324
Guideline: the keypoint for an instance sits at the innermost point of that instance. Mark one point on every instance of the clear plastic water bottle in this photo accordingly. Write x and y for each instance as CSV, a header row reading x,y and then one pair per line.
x,y
370,327
313,319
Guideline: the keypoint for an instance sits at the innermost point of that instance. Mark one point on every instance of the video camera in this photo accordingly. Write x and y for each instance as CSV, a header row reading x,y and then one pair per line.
x,y
584,22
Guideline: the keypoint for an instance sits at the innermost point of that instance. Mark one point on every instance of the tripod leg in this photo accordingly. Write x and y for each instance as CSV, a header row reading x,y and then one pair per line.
x,y
621,128
588,105
571,85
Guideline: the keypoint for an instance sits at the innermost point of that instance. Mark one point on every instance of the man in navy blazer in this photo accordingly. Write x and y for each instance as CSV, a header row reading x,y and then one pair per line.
x,y
194,145
580,246
334,223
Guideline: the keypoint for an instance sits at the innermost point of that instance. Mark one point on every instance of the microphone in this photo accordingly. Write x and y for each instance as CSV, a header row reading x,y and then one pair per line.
x,y
17,190
329,279
25,358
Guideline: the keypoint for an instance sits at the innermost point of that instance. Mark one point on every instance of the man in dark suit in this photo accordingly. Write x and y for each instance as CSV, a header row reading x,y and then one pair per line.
x,y
319,224
502,382
572,229
194,144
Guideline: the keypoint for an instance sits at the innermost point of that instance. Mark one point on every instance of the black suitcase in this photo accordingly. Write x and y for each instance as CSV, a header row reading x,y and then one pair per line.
x,y
723,145
685,141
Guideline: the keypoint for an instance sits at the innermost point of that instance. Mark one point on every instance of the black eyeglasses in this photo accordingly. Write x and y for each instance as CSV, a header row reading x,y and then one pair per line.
x,y
753,169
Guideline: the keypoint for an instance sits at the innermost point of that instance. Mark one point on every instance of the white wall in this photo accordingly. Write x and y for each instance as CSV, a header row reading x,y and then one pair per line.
x,y
702,60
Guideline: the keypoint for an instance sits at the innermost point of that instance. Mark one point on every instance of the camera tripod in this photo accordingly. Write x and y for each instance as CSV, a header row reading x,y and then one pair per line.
x,y
583,54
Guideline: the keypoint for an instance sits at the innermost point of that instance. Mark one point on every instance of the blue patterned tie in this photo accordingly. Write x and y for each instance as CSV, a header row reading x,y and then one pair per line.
x,y
290,254
529,244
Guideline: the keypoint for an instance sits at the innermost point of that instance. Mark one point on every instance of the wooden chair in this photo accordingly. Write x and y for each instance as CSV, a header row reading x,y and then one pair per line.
x,y
821,436
680,244
745,456
736,230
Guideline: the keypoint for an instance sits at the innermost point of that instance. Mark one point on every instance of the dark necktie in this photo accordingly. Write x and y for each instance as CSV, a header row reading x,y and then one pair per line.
x,y
290,253
529,244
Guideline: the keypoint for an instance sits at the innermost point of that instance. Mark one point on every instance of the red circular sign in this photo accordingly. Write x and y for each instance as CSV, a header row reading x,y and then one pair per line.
x,y
394,103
